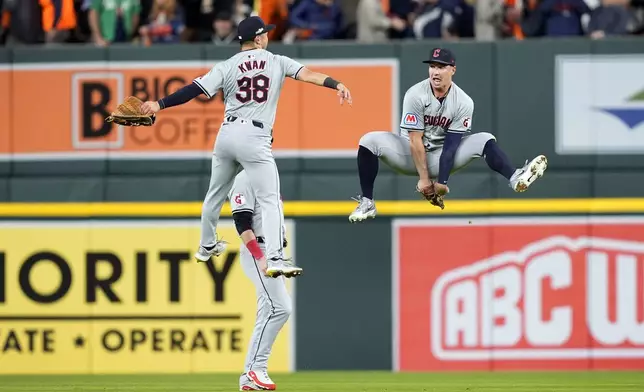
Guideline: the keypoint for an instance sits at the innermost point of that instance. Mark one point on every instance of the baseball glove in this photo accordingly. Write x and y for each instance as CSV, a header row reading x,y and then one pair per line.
x,y
129,114
430,194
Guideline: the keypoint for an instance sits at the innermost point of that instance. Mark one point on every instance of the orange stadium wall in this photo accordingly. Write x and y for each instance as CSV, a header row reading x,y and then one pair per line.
x,y
535,97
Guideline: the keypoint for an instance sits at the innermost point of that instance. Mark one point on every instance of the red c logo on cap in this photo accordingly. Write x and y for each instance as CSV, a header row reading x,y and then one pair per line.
x,y
436,52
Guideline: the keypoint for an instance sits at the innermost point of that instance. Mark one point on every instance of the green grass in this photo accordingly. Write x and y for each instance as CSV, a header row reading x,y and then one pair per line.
x,y
342,382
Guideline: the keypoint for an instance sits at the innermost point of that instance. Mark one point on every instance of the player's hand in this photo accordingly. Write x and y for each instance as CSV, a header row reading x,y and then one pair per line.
x,y
441,189
344,94
423,183
150,107
433,192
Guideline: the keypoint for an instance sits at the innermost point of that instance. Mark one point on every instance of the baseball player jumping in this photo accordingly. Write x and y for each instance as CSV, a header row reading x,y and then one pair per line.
x,y
251,81
273,301
435,140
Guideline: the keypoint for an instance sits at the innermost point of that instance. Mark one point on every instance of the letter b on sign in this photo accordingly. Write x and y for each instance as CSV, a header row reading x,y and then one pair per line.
x,y
94,96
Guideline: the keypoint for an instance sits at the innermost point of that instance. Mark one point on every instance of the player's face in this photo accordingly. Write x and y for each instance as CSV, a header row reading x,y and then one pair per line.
x,y
440,75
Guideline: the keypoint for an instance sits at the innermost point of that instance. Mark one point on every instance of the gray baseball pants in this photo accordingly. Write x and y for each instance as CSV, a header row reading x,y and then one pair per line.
x,y
274,307
395,151
240,144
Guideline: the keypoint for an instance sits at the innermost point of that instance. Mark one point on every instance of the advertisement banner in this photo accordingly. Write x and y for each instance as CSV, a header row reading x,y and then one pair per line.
x,y
519,293
310,121
599,104
126,297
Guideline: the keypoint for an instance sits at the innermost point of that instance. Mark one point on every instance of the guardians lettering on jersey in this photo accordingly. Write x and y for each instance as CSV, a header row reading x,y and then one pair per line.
x,y
437,121
423,112
428,121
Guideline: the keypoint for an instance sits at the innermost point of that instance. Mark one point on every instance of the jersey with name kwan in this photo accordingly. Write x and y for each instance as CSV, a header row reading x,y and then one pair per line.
x,y
423,112
251,81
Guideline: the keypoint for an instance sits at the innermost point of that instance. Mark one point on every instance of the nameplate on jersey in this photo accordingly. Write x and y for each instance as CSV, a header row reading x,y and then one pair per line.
x,y
251,65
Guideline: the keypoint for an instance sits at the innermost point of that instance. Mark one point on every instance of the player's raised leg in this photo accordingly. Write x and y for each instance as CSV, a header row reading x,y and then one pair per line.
x,y
394,151
485,144
519,178
367,171
259,164
224,169
524,176
274,307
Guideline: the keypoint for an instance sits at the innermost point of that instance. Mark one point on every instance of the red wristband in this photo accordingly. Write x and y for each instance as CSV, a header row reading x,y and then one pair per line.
x,y
255,250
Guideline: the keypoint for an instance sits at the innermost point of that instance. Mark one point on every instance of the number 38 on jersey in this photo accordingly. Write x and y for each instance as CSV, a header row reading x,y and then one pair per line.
x,y
253,88
251,82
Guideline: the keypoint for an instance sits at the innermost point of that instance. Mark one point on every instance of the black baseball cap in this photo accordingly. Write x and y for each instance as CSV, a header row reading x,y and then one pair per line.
x,y
441,56
251,27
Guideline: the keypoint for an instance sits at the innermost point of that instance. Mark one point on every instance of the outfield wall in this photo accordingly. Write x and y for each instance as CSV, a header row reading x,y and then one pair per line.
x,y
578,101
94,288
97,222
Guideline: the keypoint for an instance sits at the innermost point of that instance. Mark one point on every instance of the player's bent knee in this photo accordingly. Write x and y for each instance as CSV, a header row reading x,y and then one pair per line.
x,y
367,141
486,136
371,141
479,141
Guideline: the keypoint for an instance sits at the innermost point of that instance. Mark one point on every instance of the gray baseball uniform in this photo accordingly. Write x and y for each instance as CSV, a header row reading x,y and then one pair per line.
x,y
274,304
423,112
251,81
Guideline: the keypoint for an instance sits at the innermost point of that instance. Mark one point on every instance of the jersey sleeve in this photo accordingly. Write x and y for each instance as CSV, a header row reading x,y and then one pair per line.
x,y
290,67
413,111
211,82
242,197
463,120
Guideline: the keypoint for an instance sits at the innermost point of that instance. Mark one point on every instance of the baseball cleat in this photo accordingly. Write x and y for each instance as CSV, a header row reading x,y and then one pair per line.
x,y
278,267
366,209
260,379
524,177
204,253
250,387
246,385
290,270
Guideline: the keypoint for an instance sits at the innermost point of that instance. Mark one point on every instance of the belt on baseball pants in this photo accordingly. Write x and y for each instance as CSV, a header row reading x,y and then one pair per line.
x,y
255,123
260,240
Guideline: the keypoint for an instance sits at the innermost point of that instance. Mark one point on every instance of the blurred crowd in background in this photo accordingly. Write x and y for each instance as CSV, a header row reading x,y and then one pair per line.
x,y
157,22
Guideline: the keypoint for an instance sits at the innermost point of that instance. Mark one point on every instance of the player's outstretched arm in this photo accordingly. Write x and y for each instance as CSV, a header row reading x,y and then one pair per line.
x,y
207,84
320,79
179,97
